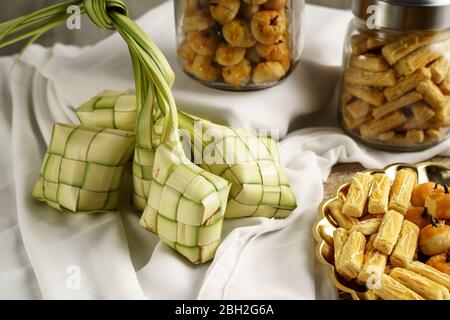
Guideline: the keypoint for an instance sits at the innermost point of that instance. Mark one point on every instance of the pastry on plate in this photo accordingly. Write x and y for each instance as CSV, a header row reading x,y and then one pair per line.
x,y
435,239
389,232
405,248
422,191
419,216
440,262
438,204
425,287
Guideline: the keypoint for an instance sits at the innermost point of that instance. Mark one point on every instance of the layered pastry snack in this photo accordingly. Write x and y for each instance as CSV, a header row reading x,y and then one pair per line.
x,y
396,89
392,238
237,44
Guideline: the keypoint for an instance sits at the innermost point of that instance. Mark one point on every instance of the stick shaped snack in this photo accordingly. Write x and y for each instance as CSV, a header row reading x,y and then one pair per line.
x,y
359,44
406,45
391,289
425,287
430,273
351,259
367,227
415,136
379,197
357,195
352,122
370,295
362,44
342,220
374,127
358,108
406,84
406,246
374,262
421,57
440,68
375,43
400,198
433,96
389,232
340,236
445,85
369,62
401,102
407,138
368,94
364,77
434,134
422,114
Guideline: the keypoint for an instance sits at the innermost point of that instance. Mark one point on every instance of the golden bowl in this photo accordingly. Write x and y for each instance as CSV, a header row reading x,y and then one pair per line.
x,y
324,227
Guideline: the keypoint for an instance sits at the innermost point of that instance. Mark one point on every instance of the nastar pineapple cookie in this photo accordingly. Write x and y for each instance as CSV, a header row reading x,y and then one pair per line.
x,y
262,32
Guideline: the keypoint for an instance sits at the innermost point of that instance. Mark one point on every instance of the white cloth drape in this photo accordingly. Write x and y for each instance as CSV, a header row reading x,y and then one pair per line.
x,y
43,251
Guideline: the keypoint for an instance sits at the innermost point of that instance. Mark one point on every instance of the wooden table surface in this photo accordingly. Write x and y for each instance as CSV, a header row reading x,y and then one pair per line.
x,y
342,173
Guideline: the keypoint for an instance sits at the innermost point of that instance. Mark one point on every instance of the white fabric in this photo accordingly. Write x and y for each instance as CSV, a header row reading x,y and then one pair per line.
x,y
259,258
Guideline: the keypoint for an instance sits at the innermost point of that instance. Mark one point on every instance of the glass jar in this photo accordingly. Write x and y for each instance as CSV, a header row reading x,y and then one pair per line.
x,y
395,88
239,45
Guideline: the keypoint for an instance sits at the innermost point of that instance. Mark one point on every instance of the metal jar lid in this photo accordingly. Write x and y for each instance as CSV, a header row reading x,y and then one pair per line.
x,y
404,14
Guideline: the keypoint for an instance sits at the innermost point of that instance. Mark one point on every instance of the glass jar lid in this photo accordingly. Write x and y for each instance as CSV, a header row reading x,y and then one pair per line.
x,y
404,14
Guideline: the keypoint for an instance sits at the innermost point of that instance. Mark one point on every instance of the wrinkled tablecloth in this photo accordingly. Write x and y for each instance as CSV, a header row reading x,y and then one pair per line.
x,y
50,255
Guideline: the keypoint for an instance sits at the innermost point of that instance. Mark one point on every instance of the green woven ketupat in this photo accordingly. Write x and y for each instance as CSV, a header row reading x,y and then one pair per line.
x,y
186,205
250,162
109,109
114,109
260,187
144,154
83,168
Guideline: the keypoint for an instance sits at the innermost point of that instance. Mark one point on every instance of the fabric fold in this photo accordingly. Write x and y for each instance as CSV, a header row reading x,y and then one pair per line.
x,y
50,255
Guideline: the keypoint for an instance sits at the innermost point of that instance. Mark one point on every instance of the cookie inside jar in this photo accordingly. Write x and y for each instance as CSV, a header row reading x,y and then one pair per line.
x,y
395,90
239,44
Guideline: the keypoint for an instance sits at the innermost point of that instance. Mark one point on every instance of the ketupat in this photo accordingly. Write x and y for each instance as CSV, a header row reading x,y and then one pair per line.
x,y
109,109
186,204
197,234
259,184
83,168
151,68
250,162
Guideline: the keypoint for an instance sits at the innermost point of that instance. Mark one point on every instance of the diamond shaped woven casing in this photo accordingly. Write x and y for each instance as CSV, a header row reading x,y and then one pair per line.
x,y
83,168
109,109
186,205
251,163
259,185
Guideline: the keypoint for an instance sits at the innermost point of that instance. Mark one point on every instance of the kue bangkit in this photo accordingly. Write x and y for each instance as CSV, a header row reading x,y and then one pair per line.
x,y
395,90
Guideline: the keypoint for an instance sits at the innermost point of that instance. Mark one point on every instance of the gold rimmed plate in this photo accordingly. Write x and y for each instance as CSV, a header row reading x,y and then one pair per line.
x,y
325,225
